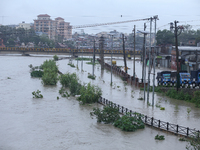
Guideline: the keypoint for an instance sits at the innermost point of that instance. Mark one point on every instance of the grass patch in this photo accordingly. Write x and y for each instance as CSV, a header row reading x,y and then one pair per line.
x,y
84,59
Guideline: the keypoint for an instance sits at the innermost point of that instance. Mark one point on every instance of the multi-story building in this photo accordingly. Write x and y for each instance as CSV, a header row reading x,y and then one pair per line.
x,y
24,25
63,29
53,28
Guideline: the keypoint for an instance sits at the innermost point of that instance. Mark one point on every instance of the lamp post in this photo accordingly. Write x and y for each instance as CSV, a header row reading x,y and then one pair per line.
x,y
176,34
154,63
144,58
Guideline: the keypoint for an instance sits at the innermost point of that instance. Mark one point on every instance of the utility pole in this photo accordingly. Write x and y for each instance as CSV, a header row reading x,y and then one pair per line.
x,y
176,34
149,71
124,53
82,61
144,62
111,61
143,54
93,59
196,61
101,44
134,53
154,63
177,56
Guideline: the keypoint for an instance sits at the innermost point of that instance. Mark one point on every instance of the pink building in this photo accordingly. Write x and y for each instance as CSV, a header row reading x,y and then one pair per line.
x,y
53,28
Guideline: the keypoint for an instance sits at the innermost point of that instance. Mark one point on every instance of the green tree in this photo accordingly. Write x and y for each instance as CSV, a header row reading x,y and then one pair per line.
x,y
10,43
50,76
70,44
165,37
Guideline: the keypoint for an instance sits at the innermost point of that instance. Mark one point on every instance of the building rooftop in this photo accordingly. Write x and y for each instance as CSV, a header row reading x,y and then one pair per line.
x,y
44,15
187,48
59,18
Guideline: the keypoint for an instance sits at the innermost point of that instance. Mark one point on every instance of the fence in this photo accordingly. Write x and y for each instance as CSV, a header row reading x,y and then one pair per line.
x,y
125,76
150,121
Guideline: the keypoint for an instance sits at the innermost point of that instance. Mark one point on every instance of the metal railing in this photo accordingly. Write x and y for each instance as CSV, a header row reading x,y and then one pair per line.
x,y
150,121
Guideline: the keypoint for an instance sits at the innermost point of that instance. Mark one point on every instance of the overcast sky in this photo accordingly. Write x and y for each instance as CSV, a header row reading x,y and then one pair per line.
x,y
81,12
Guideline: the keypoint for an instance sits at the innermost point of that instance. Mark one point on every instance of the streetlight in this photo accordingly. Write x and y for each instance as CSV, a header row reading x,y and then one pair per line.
x,y
144,59
154,63
111,57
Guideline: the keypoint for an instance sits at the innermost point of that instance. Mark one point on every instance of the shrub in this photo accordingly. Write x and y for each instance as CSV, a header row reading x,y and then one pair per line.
x,y
193,142
37,74
89,93
196,98
140,98
159,137
91,77
50,76
72,65
55,58
36,94
65,79
107,115
71,81
162,108
129,123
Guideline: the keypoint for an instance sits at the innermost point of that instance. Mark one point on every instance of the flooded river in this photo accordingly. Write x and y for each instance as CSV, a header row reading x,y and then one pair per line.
x,y
41,124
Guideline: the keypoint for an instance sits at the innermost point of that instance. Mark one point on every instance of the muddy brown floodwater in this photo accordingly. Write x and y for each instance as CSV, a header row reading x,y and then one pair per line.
x,y
40,124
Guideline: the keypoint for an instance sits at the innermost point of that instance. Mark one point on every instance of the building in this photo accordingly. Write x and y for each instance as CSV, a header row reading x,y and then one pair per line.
x,y
24,25
46,25
55,29
63,29
189,58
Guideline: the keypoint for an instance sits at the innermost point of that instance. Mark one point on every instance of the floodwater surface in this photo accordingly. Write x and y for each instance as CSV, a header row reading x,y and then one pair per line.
x,y
40,124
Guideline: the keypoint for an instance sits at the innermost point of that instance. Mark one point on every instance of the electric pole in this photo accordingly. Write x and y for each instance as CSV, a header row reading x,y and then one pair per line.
x,y
149,71
154,59
111,61
93,59
124,52
176,34
101,44
143,53
144,62
134,53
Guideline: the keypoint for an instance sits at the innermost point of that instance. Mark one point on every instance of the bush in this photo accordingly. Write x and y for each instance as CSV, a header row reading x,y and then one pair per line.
x,y
55,57
37,74
71,81
128,123
37,94
107,115
72,65
65,79
162,108
193,142
50,76
89,93
196,98
91,77
159,137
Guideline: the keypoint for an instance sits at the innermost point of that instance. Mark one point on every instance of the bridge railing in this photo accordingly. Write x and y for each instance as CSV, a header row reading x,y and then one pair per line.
x,y
65,50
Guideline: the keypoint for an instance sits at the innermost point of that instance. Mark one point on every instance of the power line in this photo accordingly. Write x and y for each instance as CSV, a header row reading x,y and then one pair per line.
x,y
102,24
